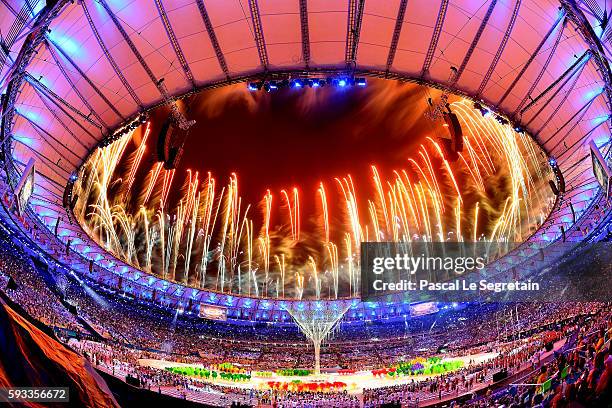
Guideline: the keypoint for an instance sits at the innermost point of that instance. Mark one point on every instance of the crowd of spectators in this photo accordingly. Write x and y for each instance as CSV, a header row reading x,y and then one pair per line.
x,y
585,354
20,281
579,375
127,330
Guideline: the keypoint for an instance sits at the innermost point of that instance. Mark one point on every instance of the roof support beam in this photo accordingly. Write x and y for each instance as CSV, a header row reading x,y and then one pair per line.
x,y
579,62
39,86
598,48
399,21
174,41
474,43
353,30
435,37
61,122
52,46
50,164
44,199
259,35
15,79
72,84
500,49
10,8
132,46
110,58
46,135
535,82
558,108
305,32
21,20
576,75
531,58
78,123
575,146
580,112
52,183
179,118
213,37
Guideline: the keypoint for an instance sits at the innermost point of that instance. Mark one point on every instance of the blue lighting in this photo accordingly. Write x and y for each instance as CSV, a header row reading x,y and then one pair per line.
x,y
66,43
24,139
298,83
33,116
552,162
601,119
593,93
38,8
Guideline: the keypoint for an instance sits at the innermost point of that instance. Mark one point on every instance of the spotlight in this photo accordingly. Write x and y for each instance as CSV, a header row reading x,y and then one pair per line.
x,y
553,162
252,86
342,82
360,81
501,120
483,111
297,83
519,129
273,85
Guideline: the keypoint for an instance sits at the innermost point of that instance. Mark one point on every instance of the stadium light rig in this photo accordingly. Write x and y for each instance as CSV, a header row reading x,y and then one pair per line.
x,y
483,111
298,83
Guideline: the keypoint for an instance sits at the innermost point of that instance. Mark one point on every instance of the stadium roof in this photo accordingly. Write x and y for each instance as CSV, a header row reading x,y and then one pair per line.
x,y
74,71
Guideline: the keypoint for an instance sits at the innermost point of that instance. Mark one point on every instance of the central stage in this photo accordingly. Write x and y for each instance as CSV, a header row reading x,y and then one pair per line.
x,y
355,382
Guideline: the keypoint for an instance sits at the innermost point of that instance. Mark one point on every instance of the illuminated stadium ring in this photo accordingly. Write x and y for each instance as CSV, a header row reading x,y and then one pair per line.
x,y
54,100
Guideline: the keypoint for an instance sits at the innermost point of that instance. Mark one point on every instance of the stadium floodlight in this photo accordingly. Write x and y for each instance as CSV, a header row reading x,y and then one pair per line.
x,y
298,83
501,120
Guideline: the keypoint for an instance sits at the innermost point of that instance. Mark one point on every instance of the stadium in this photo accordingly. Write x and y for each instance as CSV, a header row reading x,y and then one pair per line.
x,y
306,203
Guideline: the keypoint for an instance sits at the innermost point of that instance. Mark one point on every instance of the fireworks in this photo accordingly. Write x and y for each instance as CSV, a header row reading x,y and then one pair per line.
x,y
211,238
